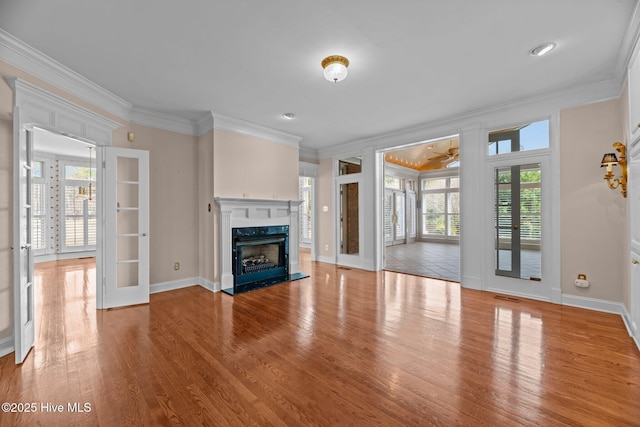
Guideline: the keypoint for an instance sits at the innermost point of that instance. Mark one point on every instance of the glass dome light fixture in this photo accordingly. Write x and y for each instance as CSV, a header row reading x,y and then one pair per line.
x,y
335,68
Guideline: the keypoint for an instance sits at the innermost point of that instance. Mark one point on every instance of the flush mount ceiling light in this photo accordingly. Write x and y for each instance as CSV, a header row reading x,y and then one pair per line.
x,y
543,49
335,68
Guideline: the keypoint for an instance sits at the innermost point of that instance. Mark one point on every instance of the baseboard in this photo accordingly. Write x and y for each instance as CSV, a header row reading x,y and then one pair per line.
x,y
173,285
628,323
594,304
469,281
327,259
184,283
208,285
6,346
633,332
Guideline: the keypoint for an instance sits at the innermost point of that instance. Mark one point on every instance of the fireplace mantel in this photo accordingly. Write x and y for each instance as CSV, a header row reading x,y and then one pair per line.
x,y
240,212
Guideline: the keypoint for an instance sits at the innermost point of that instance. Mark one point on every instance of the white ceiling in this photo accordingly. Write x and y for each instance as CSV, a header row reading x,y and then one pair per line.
x,y
412,61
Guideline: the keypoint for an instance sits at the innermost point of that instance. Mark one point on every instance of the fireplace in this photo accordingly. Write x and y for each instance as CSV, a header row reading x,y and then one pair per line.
x,y
258,243
260,255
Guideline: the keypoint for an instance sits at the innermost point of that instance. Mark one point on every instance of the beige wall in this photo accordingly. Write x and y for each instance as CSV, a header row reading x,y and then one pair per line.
x,y
173,201
254,168
326,232
593,217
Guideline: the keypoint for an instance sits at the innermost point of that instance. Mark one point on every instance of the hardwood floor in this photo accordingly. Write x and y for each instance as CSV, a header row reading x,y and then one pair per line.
x,y
343,347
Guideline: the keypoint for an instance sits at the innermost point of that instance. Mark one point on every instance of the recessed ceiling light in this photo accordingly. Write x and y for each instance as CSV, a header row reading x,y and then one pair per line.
x,y
543,49
288,116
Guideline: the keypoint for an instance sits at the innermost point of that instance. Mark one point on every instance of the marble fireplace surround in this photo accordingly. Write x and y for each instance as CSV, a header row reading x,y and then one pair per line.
x,y
236,212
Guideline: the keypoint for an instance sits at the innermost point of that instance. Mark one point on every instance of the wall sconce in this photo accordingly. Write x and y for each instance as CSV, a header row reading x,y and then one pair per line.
x,y
610,160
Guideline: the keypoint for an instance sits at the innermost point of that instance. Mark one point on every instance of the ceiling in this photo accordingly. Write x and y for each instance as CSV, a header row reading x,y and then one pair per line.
x,y
428,156
411,63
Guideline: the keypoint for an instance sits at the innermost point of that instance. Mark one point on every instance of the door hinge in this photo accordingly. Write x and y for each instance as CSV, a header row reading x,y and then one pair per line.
x,y
104,164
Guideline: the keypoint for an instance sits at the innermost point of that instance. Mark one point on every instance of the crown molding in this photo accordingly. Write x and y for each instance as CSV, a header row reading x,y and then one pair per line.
x,y
629,46
204,124
495,115
164,121
20,55
244,127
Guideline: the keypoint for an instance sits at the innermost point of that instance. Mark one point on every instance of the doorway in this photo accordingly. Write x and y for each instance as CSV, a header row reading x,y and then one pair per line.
x,y
348,213
520,209
421,209
64,202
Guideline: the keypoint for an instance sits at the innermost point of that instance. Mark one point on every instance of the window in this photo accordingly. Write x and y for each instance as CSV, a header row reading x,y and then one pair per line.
x,y
38,200
522,138
393,182
441,207
350,165
306,195
78,214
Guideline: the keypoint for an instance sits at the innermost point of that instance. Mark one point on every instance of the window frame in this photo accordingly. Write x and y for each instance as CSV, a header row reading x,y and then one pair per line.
x,y
447,191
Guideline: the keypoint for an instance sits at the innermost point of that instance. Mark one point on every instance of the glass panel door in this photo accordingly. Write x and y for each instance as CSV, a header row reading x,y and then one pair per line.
x,y
518,221
400,220
127,223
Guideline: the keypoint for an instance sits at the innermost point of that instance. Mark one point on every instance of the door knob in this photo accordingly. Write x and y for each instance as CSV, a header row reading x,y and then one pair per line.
x,y
516,227
634,261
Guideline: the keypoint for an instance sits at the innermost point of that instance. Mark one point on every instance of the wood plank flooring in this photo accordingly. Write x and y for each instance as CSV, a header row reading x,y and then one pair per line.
x,y
343,347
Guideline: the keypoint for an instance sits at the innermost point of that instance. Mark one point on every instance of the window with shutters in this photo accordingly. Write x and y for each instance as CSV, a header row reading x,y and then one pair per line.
x,y
306,195
38,204
78,227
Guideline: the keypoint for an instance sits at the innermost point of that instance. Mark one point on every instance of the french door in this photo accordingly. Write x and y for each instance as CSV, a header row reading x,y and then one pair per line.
x,y
518,218
518,215
24,327
395,230
126,231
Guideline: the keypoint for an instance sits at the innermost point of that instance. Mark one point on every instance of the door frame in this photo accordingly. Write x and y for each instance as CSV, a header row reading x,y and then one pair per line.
x,y
36,107
350,260
543,289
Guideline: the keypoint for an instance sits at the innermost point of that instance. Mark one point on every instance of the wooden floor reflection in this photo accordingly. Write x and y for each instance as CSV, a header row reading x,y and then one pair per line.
x,y
343,347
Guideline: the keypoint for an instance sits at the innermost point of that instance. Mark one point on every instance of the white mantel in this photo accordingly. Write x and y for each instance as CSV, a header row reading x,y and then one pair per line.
x,y
236,212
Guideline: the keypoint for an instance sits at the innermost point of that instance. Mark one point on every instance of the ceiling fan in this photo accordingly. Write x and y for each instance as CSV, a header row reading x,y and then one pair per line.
x,y
451,155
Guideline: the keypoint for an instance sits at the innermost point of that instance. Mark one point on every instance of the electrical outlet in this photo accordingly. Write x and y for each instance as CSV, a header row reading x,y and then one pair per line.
x,y
176,266
326,247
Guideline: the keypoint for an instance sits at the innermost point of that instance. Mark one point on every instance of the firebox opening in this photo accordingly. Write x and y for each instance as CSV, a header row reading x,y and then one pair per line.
x,y
260,256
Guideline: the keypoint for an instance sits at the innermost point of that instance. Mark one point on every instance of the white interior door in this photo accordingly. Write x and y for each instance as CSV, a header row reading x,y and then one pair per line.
x,y
24,331
126,235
